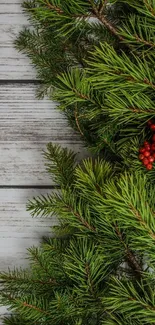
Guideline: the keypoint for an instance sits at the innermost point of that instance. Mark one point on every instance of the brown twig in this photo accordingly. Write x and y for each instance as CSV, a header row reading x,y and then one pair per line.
x,y
132,79
148,6
84,222
104,21
50,282
96,13
77,122
142,222
82,96
149,83
41,264
141,40
139,110
58,10
25,304
81,219
87,268
102,6
61,12
130,256
148,307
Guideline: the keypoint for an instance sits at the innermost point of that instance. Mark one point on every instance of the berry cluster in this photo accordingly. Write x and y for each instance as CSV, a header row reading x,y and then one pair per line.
x,y
147,152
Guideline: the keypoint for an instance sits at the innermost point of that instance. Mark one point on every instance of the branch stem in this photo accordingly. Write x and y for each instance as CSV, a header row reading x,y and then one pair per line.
x,y
129,255
77,121
104,21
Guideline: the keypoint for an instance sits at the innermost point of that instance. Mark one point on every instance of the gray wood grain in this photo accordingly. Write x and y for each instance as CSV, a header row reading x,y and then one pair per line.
x,y
13,65
26,126
18,230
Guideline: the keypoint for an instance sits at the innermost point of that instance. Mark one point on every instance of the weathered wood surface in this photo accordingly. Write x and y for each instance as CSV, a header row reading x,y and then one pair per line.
x,y
13,65
26,126
18,230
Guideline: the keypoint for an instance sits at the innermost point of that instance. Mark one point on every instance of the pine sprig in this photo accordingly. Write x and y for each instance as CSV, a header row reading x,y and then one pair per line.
x,y
96,59
60,162
136,300
101,268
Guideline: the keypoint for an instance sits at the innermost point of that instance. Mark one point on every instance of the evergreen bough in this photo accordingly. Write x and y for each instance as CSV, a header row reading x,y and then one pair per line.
x,y
96,59
99,268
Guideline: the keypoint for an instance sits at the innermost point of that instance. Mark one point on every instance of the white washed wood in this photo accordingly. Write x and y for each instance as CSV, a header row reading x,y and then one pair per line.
x,y
26,126
13,65
18,230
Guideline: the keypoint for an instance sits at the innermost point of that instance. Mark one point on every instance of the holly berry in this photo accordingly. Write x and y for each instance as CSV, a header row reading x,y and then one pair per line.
x,y
149,166
151,159
152,127
141,156
146,143
146,153
149,122
153,147
145,161
148,147
141,150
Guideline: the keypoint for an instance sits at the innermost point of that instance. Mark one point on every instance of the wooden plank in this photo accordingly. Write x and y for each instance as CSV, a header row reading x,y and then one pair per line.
x,y
3,313
13,65
18,230
26,126
11,2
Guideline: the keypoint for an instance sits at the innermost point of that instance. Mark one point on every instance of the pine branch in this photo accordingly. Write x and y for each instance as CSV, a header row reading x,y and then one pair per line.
x,y
80,218
29,306
11,279
150,8
57,9
130,257
142,222
60,163
77,121
104,21
123,291
39,259
17,320
102,6
102,73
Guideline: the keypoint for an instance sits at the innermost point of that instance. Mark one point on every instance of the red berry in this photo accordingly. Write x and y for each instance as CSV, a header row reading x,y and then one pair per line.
x,y
147,153
153,147
141,150
146,143
141,156
153,138
152,127
145,161
149,122
148,147
149,166
151,159
153,155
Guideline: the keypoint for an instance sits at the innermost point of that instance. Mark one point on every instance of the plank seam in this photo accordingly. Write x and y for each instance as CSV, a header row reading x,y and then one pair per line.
x,y
20,81
52,187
